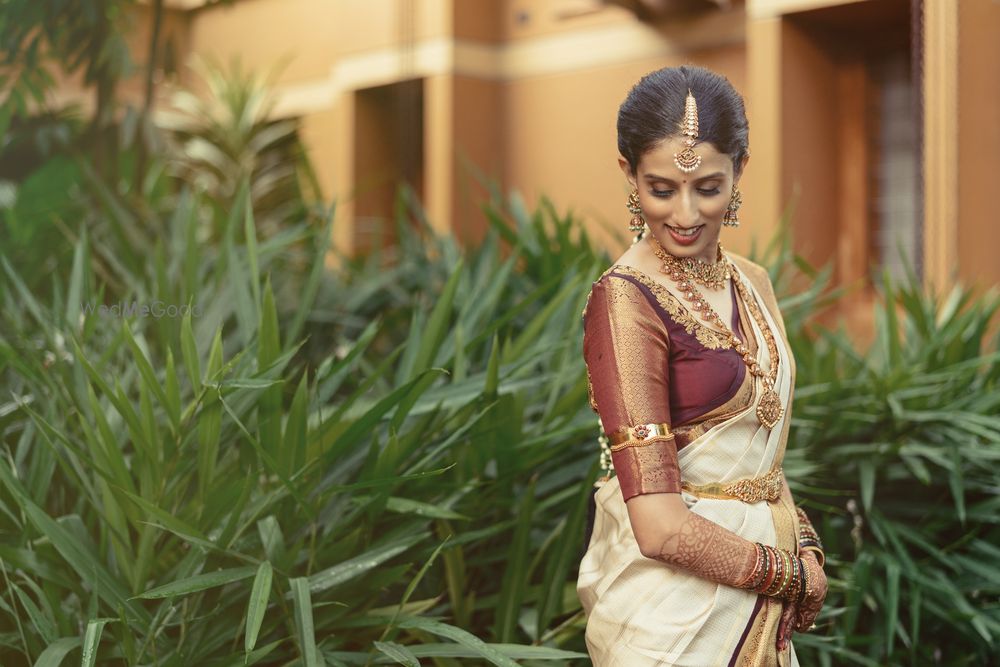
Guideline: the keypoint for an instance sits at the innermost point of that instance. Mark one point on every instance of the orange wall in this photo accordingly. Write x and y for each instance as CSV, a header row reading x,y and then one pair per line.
x,y
979,141
810,153
478,127
550,129
312,34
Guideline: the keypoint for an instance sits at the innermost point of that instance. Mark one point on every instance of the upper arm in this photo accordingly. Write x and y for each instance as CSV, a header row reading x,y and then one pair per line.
x,y
626,348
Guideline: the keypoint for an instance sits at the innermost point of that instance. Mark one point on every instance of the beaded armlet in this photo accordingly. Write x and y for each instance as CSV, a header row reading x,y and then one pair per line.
x,y
639,435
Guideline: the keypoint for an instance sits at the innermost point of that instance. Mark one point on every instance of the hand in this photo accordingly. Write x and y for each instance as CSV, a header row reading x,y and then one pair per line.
x,y
788,614
809,609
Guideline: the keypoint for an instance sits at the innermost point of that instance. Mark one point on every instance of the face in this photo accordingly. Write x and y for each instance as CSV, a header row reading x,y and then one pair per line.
x,y
683,211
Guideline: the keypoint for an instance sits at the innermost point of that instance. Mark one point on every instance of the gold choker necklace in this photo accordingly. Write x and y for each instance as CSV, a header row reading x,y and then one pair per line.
x,y
712,275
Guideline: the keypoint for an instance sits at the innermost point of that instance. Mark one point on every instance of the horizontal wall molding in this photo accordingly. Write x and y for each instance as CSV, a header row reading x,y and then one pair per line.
x,y
539,56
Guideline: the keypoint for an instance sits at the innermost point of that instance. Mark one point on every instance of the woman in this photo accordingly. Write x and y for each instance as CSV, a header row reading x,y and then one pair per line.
x,y
698,555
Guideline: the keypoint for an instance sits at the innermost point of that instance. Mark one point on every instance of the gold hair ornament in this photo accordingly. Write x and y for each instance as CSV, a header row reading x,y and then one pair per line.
x,y
687,160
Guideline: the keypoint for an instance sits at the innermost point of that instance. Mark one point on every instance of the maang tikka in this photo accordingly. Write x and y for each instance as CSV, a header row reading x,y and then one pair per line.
x,y
687,160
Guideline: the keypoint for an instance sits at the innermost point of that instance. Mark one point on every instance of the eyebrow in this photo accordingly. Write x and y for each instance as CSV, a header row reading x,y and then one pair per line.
x,y
654,177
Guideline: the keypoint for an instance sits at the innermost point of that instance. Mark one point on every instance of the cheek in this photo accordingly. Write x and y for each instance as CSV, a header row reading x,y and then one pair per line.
x,y
657,207
715,207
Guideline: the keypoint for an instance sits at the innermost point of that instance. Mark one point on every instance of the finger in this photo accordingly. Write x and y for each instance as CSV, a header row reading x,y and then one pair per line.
x,y
805,618
788,614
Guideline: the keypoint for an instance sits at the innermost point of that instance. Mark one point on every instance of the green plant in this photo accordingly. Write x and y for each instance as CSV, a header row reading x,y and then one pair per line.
x,y
185,491
897,451
222,137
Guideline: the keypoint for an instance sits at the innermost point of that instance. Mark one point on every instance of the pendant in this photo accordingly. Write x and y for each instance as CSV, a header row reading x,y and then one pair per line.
x,y
769,409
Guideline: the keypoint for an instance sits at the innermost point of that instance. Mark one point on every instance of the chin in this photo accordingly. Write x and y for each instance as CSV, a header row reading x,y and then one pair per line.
x,y
702,246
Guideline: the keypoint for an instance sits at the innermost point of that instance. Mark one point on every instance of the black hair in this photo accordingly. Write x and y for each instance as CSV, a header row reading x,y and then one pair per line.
x,y
654,109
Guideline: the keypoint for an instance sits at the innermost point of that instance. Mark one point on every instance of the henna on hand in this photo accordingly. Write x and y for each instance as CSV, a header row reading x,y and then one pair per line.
x,y
789,614
708,550
816,589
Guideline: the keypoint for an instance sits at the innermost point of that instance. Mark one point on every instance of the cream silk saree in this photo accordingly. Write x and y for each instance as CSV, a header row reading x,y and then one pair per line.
x,y
642,612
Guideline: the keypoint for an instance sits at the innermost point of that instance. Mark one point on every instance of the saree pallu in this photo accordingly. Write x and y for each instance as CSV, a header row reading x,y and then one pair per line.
x,y
642,612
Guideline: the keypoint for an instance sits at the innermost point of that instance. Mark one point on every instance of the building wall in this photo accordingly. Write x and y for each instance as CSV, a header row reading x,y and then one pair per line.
x,y
526,92
978,141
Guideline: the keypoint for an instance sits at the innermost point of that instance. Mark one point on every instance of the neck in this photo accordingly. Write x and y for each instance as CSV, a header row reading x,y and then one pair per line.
x,y
662,252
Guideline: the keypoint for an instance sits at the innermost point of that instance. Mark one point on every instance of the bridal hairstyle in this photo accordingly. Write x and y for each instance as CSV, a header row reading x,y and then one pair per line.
x,y
654,109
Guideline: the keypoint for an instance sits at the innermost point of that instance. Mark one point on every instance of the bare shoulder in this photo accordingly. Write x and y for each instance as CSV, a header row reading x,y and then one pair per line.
x,y
633,257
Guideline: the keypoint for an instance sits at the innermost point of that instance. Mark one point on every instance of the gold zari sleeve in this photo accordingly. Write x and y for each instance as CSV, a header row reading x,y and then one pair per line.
x,y
626,348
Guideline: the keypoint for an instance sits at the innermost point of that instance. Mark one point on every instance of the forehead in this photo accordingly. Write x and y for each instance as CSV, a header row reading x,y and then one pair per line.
x,y
660,159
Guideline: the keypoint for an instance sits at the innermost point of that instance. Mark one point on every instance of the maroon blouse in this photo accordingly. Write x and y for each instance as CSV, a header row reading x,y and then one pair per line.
x,y
650,361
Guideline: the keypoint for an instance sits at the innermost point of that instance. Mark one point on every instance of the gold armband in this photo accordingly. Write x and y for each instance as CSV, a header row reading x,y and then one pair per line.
x,y
639,435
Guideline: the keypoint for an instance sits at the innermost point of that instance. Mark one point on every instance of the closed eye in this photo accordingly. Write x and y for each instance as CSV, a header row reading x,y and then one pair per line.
x,y
707,192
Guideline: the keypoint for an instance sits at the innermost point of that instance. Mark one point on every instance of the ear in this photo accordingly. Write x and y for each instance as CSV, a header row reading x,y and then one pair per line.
x,y
627,170
742,166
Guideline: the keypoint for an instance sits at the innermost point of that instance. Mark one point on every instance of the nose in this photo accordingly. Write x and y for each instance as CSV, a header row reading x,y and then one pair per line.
x,y
686,213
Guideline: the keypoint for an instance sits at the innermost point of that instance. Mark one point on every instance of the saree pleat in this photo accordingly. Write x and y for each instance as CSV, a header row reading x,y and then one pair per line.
x,y
643,612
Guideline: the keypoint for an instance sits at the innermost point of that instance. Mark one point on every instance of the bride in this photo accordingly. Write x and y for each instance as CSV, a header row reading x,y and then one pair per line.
x,y
698,555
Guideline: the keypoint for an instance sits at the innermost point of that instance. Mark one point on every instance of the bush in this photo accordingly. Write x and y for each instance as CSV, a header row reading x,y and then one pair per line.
x,y
393,462
189,491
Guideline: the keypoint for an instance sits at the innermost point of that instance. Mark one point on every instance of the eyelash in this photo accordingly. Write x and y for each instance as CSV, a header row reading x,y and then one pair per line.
x,y
665,194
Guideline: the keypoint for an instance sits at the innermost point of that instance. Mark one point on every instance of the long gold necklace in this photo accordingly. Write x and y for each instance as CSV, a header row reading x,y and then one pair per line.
x,y
769,408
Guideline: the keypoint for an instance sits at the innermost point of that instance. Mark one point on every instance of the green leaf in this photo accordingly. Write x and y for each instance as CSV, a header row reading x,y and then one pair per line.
x,y
172,523
866,470
145,368
891,605
257,606
269,402
512,651
250,238
407,506
515,581
292,455
172,390
74,299
54,653
91,640
353,567
466,639
304,621
198,582
399,653
42,624
189,350
437,324
77,556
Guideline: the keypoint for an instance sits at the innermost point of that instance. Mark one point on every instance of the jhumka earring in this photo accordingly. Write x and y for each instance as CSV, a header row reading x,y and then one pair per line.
x,y
687,160
637,223
730,219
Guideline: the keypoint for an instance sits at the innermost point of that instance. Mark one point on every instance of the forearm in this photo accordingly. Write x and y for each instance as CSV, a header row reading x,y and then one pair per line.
x,y
706,549
668,531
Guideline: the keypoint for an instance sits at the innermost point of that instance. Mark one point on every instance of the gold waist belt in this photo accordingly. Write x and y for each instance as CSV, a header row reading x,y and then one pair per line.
x,y
753,490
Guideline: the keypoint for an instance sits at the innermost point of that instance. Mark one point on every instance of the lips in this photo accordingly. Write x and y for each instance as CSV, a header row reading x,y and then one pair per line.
x,y
685,238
